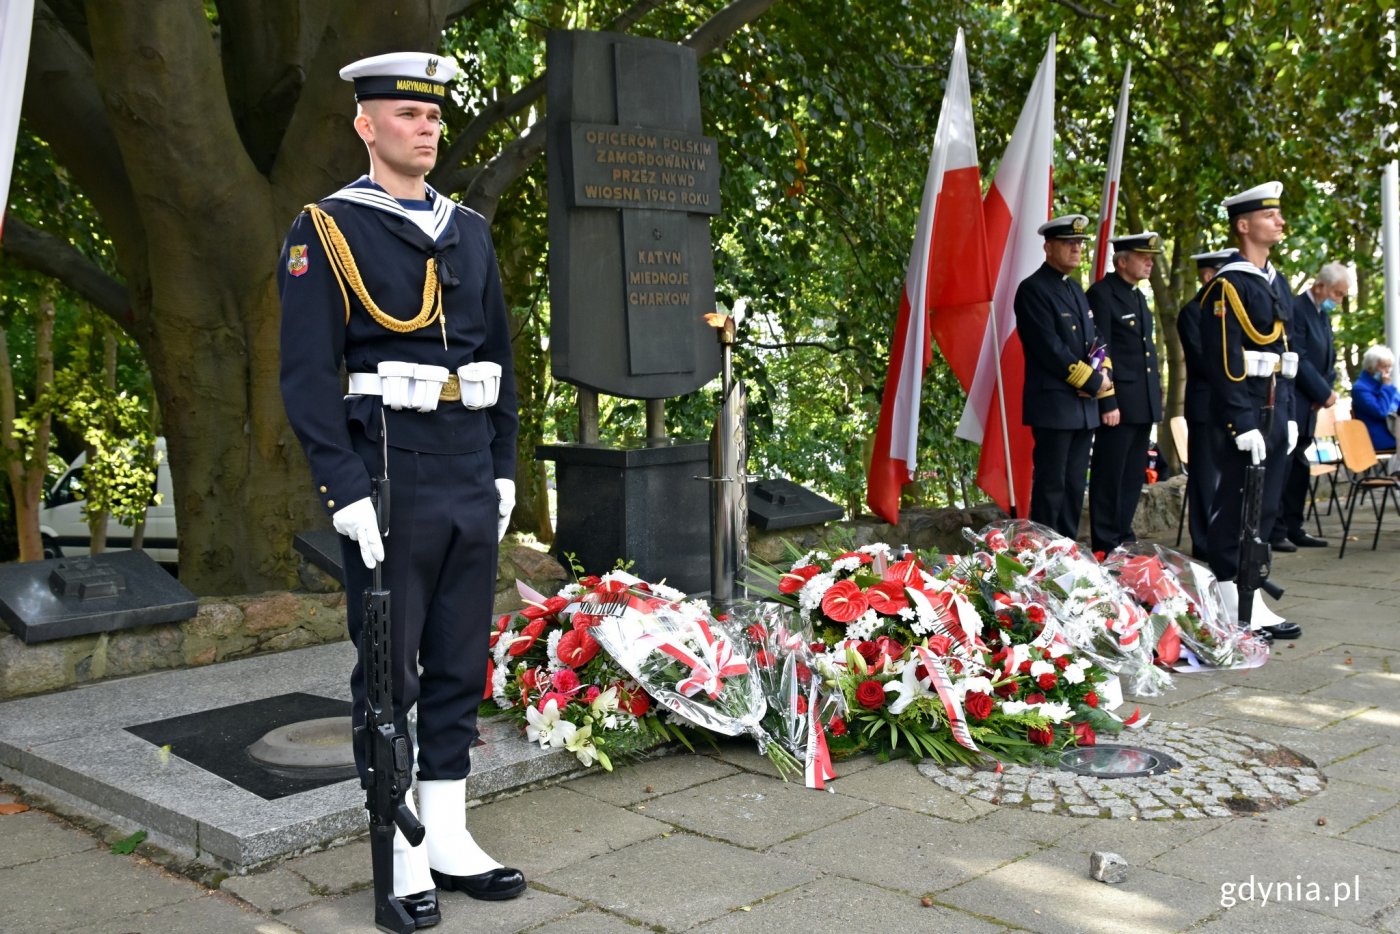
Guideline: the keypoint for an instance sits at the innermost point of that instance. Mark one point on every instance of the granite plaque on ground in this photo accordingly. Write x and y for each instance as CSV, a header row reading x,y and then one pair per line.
x,y
63,597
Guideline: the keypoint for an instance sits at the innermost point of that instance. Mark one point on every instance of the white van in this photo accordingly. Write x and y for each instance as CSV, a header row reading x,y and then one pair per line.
x,y
64,528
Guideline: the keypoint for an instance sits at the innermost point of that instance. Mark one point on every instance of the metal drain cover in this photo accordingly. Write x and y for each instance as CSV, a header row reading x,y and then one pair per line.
x,y
1113,761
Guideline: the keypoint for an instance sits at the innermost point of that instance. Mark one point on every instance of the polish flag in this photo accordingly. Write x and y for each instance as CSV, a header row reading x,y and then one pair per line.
x,y
16,19
1017,203
1108,203
946,291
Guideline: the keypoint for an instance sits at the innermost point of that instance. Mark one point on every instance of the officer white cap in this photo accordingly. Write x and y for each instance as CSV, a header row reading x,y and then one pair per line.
x,y
1212,260
1067,227
1257,198
414,76
1146,242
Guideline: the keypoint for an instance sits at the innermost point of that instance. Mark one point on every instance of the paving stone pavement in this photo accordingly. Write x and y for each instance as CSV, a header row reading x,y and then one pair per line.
x,y
715,842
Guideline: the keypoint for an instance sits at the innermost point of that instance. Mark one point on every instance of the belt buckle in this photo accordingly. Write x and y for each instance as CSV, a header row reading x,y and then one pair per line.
x,y
451,390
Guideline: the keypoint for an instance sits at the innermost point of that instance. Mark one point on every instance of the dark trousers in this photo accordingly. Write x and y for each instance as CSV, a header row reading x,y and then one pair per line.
x,y
1116,475
1203,440
440,571
1227,510
1059,462
1294,505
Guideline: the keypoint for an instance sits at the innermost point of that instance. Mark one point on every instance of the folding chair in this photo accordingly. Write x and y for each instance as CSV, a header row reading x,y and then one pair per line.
x,y
1178,427
1360,458
1323,462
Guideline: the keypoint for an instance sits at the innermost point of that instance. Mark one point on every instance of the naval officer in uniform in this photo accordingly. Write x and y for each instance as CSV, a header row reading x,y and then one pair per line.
x,y
400,284
1065,375
1203,431
1247,308
1118,468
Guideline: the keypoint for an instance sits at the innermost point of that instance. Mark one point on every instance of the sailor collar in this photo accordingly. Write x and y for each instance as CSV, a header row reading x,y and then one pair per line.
x,y
366,192
1268,273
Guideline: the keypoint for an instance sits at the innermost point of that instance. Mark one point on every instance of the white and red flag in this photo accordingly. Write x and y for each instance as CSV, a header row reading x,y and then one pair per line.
x,y
1016,204
946,291
1108,203
16,20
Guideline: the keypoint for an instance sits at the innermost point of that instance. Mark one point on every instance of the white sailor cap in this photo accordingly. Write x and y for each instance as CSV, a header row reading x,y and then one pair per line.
x,y
414,76
1067,227
1147,242
1212,260
1255,199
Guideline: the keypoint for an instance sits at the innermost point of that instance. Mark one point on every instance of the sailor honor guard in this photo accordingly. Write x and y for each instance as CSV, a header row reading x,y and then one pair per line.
x,y
1204,432
1065,375
1119,465
1244,336
401,285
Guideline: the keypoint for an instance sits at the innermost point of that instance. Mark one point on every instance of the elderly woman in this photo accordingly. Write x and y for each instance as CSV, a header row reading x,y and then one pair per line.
x,y
1373,396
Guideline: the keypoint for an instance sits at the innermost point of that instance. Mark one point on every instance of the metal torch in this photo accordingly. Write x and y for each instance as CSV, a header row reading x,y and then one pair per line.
x,y
729,492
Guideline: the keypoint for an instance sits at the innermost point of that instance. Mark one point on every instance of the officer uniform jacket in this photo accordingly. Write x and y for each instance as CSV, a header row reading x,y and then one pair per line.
x,y
1266,298
1188,327
1311,337
1125,327
391,253
1057,335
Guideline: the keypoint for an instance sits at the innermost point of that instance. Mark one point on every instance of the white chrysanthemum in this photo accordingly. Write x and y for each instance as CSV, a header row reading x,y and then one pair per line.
x,y
1020,652
1041,668
1074,674
809,598
1057,649
666,592
498,653
845,565
1055,712
864,626
975,684
878,548
907,613
498,683
552,649
922,627
570,591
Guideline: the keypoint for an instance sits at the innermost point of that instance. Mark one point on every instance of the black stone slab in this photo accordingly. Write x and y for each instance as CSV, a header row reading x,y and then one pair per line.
x,y
322,549
782,504
641,504
64,597
218,740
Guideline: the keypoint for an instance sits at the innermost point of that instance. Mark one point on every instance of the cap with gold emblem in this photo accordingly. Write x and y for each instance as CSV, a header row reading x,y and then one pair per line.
x,y
1147,242
1257,198
414,76
1212,260
1068,227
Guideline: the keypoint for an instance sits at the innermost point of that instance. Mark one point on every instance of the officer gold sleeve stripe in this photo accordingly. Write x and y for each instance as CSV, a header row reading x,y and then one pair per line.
x,y
1079,373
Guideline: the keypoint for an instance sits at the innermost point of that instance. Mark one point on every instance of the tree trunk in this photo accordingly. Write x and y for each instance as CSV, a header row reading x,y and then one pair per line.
x,y
27,470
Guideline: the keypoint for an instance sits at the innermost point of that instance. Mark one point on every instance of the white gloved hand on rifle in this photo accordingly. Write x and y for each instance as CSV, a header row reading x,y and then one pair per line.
x,y
359,523
1292,436
1252,443
505,496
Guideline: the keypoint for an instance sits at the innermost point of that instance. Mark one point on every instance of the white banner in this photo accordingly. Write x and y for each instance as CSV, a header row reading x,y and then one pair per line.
x,y
16,20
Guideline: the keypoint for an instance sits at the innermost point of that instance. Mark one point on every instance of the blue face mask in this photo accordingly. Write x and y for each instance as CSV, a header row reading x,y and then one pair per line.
x,y
1327,305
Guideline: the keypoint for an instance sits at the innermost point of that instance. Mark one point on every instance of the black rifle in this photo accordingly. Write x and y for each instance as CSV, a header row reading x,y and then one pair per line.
x,y
1256,555
386,749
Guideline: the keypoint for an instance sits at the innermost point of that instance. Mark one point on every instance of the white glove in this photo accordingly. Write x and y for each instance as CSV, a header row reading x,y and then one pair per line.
x,y
505,496
359,523
1252,443
1292,436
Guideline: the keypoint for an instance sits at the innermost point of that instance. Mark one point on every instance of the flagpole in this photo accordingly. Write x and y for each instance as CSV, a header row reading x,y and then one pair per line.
x,y
1001,407
1108,202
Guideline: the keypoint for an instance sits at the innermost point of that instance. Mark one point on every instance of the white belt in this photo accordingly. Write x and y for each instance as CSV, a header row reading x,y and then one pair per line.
x,y
365,384
419,386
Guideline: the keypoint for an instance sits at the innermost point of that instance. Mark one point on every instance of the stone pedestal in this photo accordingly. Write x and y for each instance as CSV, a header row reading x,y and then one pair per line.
x,y
643,505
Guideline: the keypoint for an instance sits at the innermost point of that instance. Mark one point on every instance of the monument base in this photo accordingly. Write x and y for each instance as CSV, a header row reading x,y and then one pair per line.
x,y
644,505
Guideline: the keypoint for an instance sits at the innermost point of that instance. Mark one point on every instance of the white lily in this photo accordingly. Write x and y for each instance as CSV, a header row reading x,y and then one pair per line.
x,y
540,724
910,687
581,745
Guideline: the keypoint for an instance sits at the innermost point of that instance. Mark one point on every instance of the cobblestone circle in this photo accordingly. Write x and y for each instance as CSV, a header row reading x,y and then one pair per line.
x,y
1222,774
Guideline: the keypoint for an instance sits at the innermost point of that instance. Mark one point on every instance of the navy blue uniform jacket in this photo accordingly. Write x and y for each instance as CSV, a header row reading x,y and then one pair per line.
x,y
1057,333
1266,299
391,252
1125,327
1311,336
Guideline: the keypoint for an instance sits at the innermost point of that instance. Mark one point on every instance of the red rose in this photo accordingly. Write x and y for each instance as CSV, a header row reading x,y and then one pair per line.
x,y
869,651
804,674
1005,689
1084,735
1035,698
871,695
844,602
1091,699
565,681
1041,735
763,658
1035,614
817,647
978,705
1062,662
1048,681
940,645
527,638
801,704
836,726
1098,556
887,597
904,572
793,580
577,648
756,632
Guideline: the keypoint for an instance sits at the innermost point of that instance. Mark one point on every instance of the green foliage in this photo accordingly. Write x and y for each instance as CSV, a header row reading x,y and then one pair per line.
x,y
127,845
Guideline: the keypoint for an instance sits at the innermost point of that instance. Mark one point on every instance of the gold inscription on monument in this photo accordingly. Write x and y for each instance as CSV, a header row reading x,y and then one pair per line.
x,y
665,272
645,169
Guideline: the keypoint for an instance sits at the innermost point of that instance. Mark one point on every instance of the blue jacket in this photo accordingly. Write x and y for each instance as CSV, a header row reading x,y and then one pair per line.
x,y
1372,401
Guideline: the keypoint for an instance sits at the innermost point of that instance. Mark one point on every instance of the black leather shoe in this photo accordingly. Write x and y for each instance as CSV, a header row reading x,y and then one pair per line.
x,y
1283,631
1304,540
1282,545
422,908
494,886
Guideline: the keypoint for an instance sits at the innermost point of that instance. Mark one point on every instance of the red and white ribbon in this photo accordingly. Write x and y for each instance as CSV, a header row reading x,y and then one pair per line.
x,y
818,769
957,722
708,670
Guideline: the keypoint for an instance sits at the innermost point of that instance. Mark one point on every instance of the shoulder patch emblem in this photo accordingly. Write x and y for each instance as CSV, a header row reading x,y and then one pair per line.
x,y
296,260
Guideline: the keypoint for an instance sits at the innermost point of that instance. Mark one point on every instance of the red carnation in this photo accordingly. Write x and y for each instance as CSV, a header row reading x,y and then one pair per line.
x,y
887,597
1041,735
837,726
804,674
565,681
1062,662
592,693
1035,698
801,704
844,602
978,705
527,638
577,648
560,700
1035,614
1048,681
1091,699
940,645
1005,689
756,632
871,695
1084,735
1025,667
793,580
763,658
